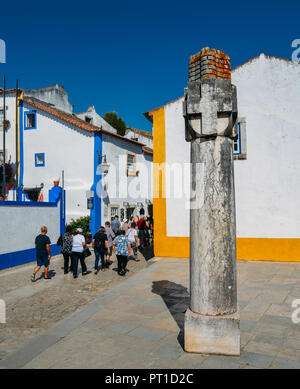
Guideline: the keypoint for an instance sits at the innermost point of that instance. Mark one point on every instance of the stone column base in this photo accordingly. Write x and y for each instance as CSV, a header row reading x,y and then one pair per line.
x,y
212,334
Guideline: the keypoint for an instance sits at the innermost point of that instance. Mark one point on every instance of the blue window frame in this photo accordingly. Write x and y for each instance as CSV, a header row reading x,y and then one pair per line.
x,y
39,159
30,120
237,142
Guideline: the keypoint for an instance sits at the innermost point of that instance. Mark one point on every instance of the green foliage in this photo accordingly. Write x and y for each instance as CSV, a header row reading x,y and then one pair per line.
x,y
115,122
82,222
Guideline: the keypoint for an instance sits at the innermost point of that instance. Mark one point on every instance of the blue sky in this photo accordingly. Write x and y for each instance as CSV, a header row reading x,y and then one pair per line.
x,y
132,56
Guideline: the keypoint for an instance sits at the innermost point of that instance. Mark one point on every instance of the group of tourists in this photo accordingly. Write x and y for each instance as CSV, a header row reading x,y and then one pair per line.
x,y
122,238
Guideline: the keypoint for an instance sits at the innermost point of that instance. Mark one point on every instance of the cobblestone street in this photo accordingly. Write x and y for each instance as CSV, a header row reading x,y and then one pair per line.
x,y
31,308
137,322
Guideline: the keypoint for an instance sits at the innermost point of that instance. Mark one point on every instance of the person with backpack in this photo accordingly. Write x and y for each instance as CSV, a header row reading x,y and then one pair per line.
x,y
100,245
66,249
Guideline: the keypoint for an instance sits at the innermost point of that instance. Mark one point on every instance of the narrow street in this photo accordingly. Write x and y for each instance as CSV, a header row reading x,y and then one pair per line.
x,y
32,308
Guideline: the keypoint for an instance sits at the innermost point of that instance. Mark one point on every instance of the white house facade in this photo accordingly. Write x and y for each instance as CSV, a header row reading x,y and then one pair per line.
x,y
50,144
266,166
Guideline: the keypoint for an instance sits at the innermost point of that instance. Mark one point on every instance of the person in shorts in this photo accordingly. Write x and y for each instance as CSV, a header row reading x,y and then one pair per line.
x,y
42,246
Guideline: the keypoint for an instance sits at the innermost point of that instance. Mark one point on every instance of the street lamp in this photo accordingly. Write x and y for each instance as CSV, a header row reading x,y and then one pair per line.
x,y
103,167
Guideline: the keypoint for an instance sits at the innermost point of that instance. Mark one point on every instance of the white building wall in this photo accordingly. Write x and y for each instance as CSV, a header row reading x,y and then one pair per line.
x,y
97,120
140,138
21,224
121,188
10,139
66,148
267,184
178,181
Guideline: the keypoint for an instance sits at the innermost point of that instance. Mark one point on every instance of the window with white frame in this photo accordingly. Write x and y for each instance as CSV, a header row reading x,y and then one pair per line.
x,y
131,158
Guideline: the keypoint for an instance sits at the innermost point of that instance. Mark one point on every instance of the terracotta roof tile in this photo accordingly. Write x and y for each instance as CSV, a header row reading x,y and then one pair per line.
x,y
72,119
147,150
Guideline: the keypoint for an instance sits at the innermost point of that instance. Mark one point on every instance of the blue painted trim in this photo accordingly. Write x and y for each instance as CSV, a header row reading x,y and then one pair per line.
x,y
57,194
35,159
95,213
21,156
28,204
35,124
239,139
17,258
63,212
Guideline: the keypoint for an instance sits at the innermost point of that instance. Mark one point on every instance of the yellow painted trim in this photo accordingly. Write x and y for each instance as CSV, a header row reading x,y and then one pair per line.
x,y
251,249
164,246
268,249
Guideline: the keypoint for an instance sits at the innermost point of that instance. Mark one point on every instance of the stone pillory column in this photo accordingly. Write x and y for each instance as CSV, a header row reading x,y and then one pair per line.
x,y
210,111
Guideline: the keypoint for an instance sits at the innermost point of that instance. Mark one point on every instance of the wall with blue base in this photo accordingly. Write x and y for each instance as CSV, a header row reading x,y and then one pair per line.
x,y
20,223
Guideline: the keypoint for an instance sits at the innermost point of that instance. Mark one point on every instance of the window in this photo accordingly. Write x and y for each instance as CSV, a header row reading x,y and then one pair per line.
x,y
88,119
30,120
2,155
114,211
131,158
40,159
1,117
237,142
240,143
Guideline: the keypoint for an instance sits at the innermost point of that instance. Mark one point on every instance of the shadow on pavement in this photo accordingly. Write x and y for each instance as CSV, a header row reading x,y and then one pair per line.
x,y
177,299
147,252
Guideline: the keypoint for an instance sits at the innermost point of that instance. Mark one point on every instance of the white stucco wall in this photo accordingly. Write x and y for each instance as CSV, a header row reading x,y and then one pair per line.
x,y
121,188
66,148
19,226
140,138
177,158
11,130
97,120
267,184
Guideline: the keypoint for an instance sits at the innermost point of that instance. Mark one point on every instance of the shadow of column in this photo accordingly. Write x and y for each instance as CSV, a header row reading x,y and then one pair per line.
x,y
177,300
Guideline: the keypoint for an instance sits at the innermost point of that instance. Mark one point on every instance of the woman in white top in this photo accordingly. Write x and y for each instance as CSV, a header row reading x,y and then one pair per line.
x,y
77,253
133,240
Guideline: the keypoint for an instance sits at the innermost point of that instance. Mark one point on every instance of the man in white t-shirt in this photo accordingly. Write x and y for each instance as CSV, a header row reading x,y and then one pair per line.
x,y
133,239
77,253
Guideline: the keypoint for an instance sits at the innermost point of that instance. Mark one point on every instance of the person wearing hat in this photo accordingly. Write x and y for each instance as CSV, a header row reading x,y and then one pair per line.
x,y
77,253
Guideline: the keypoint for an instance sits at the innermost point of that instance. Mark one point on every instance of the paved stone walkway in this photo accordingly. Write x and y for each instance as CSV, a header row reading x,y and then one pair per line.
x,y
32,308
138,323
